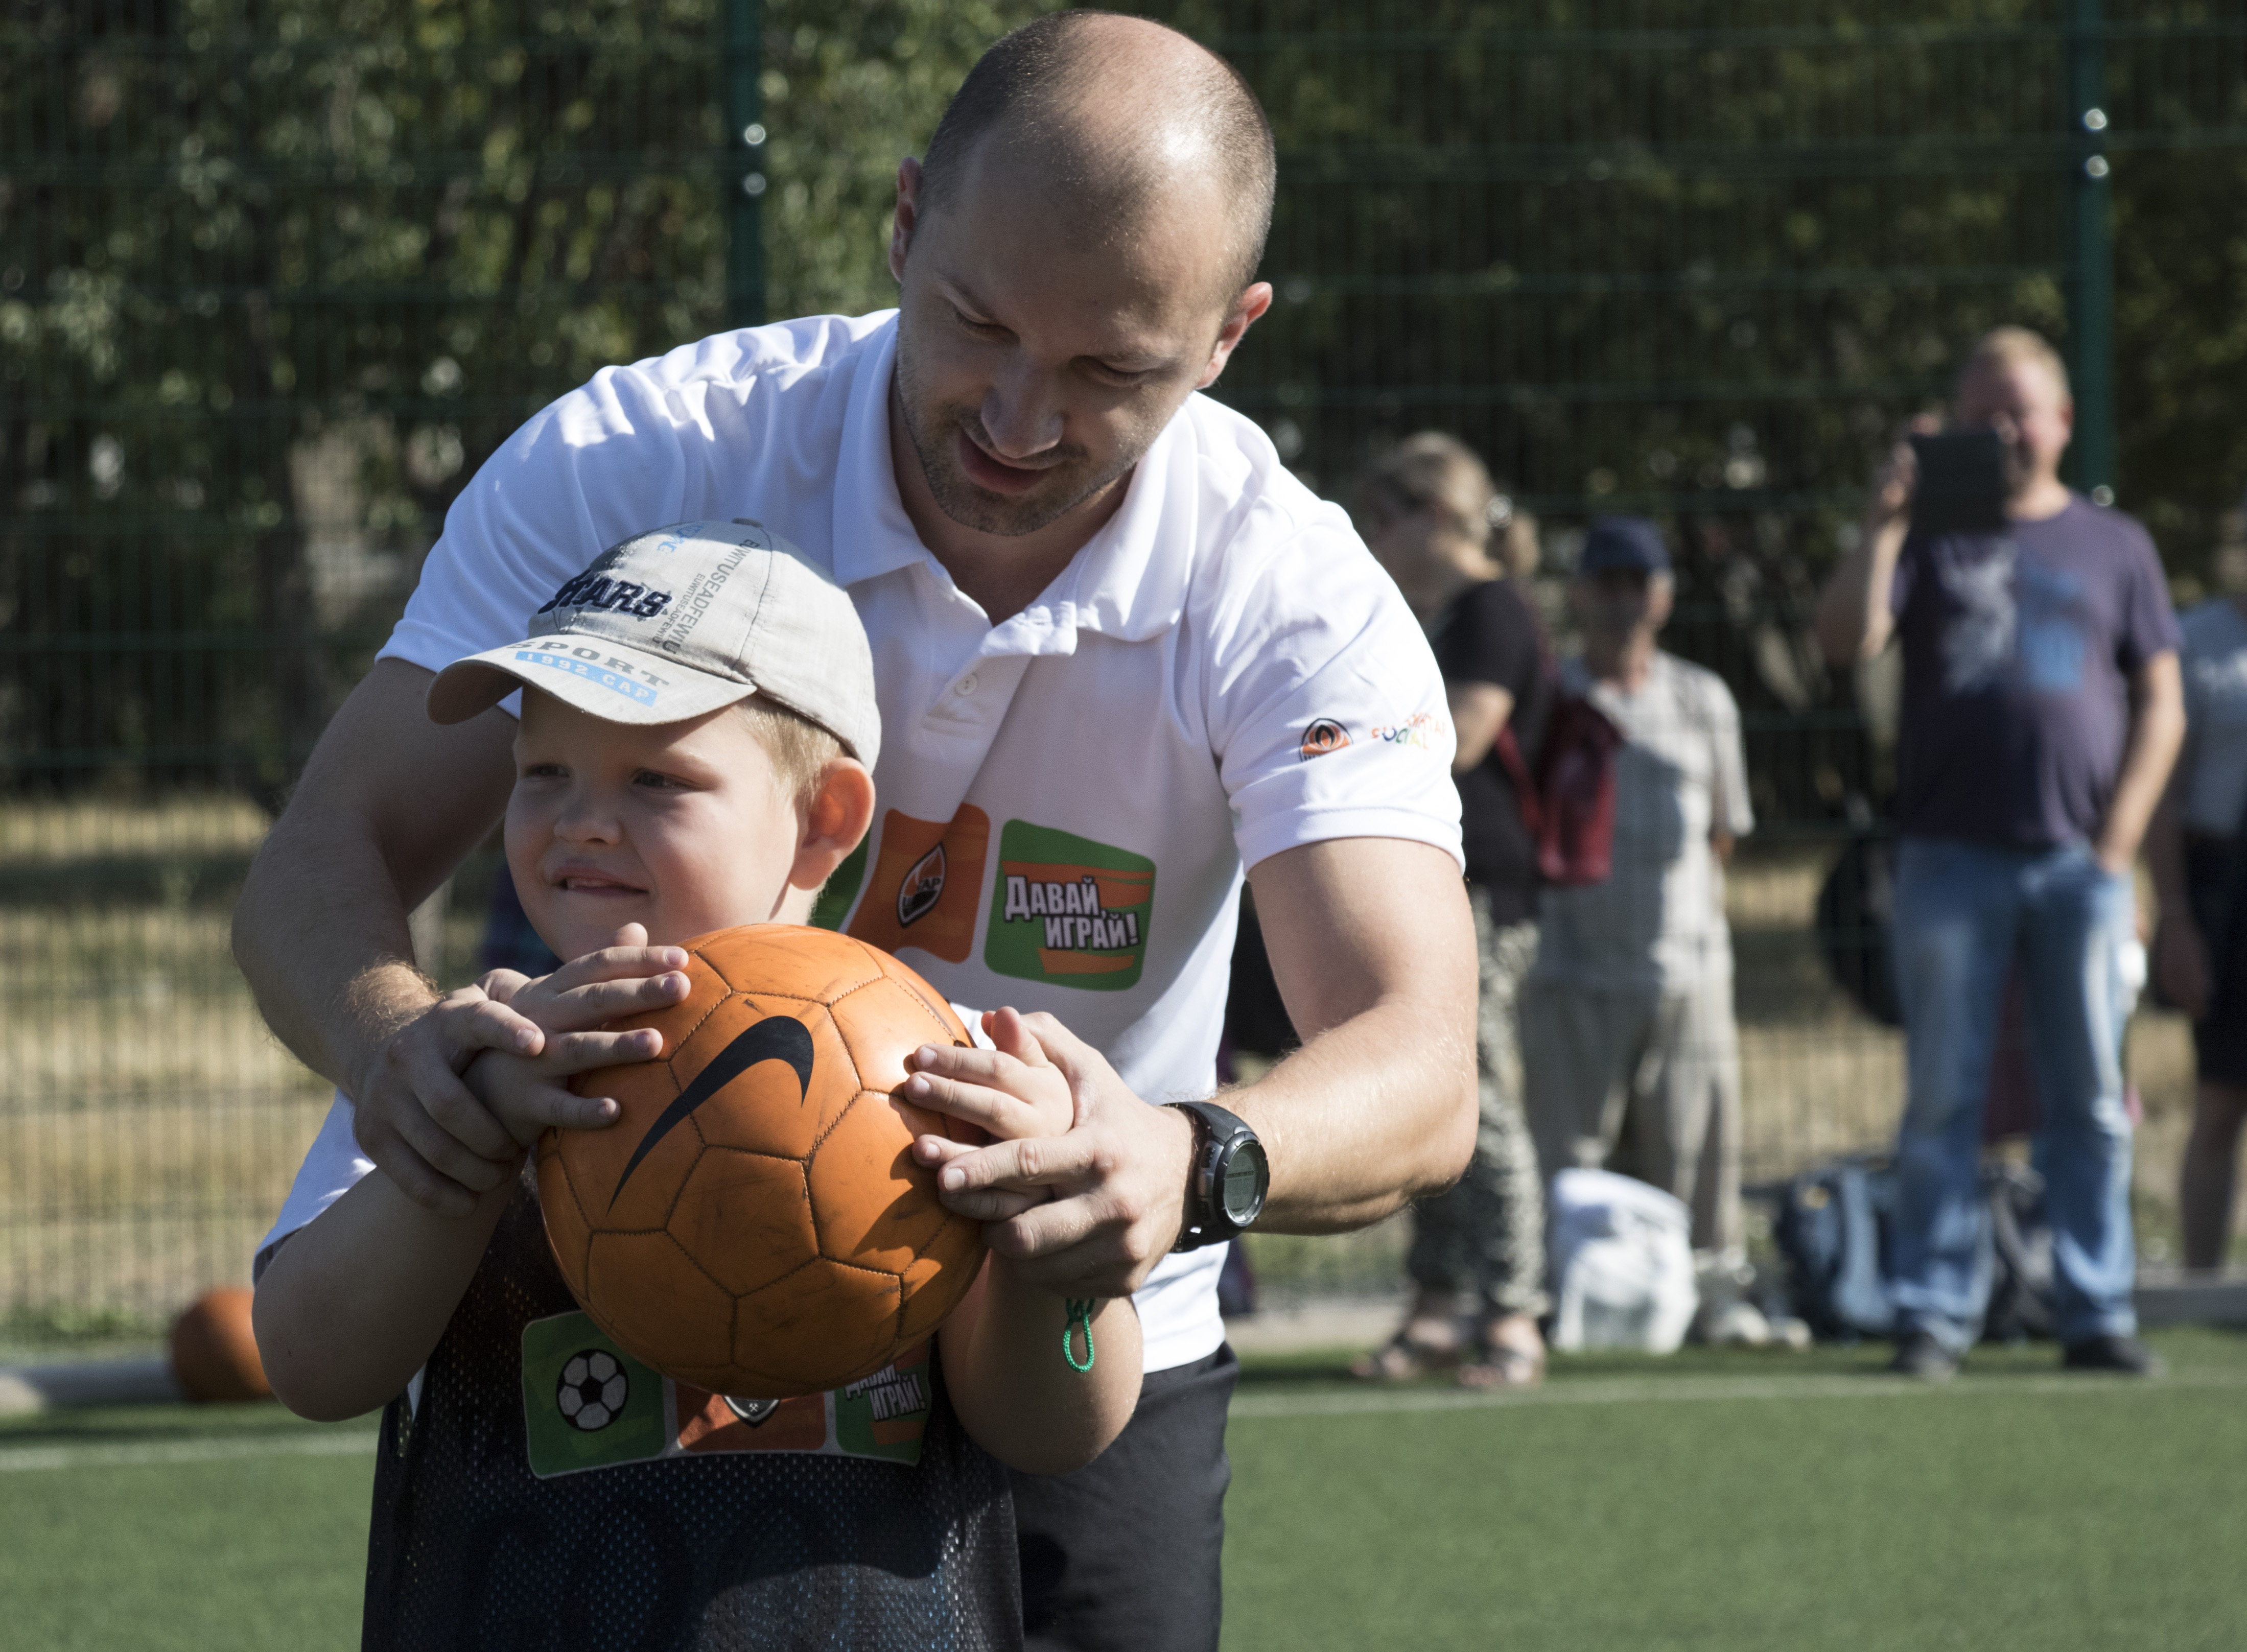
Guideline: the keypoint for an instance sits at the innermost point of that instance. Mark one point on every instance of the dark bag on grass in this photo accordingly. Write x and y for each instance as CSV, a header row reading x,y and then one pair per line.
x,y
1835,1229
2021,1273
1831,1229
1855,909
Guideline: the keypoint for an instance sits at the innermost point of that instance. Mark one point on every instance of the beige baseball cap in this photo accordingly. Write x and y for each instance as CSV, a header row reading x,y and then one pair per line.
x,y
679,621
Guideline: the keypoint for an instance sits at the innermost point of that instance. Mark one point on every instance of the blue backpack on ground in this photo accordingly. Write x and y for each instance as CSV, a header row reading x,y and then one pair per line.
x,y
1834,1226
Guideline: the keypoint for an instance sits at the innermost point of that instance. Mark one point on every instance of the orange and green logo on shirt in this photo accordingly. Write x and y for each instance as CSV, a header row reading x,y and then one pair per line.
x,y
928,877
1069,910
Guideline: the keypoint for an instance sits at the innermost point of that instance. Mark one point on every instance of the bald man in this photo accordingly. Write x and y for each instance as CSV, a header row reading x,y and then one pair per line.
x,y
1123,659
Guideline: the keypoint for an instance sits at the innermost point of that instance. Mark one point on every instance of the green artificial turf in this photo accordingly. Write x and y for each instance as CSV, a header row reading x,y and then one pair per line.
x,y
1743,1501
1728,1500
164,1528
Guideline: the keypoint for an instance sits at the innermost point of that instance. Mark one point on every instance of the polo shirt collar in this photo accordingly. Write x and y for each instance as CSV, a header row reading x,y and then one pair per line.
x,y
1127,581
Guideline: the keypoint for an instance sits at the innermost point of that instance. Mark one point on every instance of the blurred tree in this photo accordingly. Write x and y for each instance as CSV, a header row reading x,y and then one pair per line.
x,y
280,274
277,276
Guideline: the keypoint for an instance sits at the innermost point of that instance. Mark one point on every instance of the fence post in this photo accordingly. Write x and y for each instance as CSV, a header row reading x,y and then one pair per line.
x,y
744,179
2091,256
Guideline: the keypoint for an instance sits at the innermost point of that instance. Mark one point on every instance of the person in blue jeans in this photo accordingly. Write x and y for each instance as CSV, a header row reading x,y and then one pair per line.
x,y
2042,710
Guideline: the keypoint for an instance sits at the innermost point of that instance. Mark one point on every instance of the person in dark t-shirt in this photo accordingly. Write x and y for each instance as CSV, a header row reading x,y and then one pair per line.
x,y
1451,540
2042,709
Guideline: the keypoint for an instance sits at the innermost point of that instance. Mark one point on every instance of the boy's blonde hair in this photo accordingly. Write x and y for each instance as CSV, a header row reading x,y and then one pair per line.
x,y
2003,347
799,748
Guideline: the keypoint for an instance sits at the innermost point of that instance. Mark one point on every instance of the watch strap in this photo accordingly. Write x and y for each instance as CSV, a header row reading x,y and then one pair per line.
x,y
1214,1129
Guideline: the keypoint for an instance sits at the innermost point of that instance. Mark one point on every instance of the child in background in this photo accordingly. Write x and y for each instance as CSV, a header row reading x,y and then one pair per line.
x,y
694,752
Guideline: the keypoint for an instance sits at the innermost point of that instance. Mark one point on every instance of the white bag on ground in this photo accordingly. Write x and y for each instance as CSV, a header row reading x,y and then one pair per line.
x,y
1623,1264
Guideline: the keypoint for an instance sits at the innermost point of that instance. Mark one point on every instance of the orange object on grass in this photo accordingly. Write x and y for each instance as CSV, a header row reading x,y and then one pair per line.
x,y
754,1224
215,1351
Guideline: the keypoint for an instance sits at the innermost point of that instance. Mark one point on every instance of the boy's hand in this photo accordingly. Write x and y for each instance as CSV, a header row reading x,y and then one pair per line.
x,y
1088,1213
528,1092
1011,1092
624,977
427,1116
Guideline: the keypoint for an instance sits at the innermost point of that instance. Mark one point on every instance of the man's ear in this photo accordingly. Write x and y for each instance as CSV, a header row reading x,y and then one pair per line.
x,y
1254,300
835,822
906,216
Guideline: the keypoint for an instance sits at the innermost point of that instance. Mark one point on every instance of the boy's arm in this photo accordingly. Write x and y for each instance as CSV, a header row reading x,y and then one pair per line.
x,y
1016,1393
351,1305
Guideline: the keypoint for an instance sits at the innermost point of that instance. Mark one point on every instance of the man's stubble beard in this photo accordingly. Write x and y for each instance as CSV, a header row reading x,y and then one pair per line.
x,y
933,429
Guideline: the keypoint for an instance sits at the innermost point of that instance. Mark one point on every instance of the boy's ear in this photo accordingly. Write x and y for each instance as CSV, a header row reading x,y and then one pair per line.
x,y
842,809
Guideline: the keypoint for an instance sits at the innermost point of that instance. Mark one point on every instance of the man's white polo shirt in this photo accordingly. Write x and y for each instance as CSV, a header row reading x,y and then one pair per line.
x,y
1064,801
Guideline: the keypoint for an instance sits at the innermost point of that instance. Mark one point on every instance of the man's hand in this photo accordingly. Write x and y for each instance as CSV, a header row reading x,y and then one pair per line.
x,y
1088,1213
418,1122
461,1090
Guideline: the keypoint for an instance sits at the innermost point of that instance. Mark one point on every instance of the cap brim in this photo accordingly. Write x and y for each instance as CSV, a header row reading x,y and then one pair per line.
x,y
615,684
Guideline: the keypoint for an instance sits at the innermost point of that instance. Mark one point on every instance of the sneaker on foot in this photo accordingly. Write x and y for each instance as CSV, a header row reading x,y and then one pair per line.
x,y
2123,1355
1919,1355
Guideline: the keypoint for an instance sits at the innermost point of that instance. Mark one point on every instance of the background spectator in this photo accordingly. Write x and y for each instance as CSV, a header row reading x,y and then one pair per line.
x,y
2193,849
2041,713
1631,1053
1429,512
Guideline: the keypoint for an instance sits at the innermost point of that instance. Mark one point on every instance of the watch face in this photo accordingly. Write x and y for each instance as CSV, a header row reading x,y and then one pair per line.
x,y
1247,1177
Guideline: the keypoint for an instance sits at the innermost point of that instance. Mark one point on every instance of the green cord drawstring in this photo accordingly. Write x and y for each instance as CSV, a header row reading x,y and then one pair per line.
x,y
1080,1312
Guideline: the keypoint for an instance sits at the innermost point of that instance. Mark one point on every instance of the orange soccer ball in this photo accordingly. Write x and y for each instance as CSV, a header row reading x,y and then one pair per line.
x,y
215,1351
754,1224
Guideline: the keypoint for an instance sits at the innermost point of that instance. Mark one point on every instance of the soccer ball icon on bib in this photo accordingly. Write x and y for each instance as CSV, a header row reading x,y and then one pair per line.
x,y
593,1388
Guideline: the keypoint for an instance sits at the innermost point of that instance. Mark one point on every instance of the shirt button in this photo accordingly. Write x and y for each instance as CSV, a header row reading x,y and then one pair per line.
x,y
965,686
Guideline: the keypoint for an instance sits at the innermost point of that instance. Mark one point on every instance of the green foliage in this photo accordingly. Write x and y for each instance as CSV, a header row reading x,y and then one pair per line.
x,y
849,91
275,279
280,276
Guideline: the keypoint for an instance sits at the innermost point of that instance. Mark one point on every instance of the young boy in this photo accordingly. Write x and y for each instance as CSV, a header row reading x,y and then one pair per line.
x,y
697,731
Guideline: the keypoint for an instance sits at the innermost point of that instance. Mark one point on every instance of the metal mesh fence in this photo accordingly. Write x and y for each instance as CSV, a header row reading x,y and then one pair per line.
x,y
275,279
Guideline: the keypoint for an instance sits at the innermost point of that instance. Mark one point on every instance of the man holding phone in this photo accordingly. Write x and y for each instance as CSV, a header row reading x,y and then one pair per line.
x,y
2042,709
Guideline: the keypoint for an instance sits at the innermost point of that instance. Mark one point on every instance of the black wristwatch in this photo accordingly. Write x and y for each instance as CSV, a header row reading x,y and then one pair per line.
x,y
1226,1178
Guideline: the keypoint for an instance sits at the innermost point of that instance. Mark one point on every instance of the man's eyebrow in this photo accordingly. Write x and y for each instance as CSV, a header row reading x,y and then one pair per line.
x,y
960,295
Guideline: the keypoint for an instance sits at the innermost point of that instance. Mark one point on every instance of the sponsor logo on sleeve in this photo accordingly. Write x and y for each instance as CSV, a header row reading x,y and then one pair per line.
x,y
1322,736
1420,731
927,882
1069,909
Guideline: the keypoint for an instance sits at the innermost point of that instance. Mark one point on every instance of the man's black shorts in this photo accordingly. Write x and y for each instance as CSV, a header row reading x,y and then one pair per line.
x,y
1124,1554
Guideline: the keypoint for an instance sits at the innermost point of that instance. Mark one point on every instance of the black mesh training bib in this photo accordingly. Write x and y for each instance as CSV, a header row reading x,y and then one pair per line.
x,y
769,1550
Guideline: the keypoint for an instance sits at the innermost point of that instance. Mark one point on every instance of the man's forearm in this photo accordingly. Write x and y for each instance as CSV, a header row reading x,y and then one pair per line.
x,y
387,806
1373,946
1853,614
1362,1120
2165,854
2156,733
329,957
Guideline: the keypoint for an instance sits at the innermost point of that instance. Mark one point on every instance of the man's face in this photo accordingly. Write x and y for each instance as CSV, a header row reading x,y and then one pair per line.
x,y
684,827
1615,602
2023,402
1039,356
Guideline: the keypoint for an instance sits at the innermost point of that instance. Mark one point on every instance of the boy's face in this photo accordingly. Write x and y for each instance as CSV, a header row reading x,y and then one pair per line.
x,y
683,827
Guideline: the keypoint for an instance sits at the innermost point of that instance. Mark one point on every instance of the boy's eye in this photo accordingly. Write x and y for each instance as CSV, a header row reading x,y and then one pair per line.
x,y
649,777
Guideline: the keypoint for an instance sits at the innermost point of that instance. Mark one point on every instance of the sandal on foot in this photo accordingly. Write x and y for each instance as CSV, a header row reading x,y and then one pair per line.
x,y
1503,1367
1404,1357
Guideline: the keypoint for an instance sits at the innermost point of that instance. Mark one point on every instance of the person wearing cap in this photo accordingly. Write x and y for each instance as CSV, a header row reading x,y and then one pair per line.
x,y
1627,1030
1122,658
697,720
2042,710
